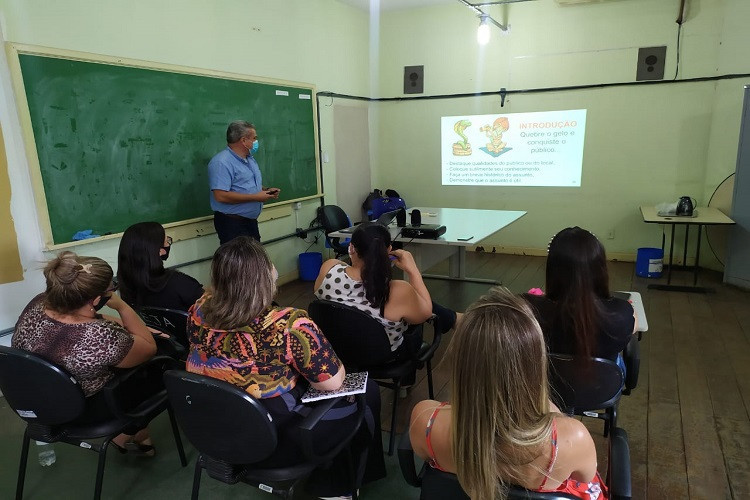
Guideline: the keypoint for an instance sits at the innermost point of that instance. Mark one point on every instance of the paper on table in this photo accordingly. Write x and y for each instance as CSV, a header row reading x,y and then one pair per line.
x,y
354,383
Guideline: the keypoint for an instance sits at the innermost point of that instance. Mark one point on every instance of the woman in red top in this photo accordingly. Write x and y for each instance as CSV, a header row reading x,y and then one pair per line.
x,y
501,427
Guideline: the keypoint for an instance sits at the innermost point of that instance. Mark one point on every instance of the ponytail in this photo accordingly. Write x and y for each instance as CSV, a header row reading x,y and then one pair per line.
x,y
371,242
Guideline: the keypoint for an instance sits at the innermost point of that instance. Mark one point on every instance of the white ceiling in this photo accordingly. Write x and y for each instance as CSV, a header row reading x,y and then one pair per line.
x,y
397,4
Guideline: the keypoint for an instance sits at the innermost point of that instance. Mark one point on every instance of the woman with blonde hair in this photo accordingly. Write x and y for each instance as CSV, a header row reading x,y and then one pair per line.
x,y
501,427
274,354
63,325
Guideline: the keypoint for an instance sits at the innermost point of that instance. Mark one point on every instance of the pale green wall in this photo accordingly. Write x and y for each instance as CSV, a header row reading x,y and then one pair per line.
x,y
644,144
321,42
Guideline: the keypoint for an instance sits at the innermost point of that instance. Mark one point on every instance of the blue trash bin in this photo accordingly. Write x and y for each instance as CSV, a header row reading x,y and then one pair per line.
x,y
648,262
309,265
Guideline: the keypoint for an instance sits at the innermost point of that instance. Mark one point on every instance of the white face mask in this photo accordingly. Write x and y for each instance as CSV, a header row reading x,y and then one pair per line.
x,y
274,273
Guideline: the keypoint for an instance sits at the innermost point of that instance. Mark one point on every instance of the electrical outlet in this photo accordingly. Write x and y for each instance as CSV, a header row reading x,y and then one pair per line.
x,y
611,234
297,205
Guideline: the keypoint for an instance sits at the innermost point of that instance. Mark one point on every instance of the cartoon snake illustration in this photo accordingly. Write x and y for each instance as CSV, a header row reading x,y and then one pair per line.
x,y
462,148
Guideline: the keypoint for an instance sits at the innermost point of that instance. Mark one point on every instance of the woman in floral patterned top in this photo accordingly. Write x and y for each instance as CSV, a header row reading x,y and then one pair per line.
x,y
274,353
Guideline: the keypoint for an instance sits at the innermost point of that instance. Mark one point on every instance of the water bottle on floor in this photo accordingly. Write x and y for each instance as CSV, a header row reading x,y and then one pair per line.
x,y
46,453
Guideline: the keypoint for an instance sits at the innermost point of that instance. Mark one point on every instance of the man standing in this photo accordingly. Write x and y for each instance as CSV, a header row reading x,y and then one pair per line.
x,y
237,192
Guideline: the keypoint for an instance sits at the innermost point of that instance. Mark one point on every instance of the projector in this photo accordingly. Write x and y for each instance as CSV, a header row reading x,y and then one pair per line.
x,y
423,231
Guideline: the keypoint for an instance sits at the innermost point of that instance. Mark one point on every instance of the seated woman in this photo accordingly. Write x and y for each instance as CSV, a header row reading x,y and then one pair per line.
x,y
367,285
501,427
578,315
141,275
63,326
274,353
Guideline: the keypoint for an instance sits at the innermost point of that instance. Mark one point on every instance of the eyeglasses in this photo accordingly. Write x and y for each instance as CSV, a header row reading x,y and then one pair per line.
x,y
113,288
169,243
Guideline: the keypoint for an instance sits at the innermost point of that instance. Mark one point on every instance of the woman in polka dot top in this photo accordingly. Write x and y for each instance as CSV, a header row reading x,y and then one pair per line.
x,y
366,285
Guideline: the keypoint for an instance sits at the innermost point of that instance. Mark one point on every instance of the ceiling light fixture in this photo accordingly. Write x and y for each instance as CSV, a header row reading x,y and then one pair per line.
x,y
483,31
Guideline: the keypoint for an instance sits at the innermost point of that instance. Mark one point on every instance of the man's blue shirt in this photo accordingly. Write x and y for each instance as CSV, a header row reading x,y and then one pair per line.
x,y
229,172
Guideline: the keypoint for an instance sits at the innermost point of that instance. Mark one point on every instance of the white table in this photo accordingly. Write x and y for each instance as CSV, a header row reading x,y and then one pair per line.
x,y
703,216
465,227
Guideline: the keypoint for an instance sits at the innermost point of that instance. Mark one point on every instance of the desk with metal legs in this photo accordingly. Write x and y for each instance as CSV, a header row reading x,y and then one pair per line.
x,y
703,216
464,227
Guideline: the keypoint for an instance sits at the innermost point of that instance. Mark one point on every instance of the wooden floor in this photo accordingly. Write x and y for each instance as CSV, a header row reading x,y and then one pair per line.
x,y
688,418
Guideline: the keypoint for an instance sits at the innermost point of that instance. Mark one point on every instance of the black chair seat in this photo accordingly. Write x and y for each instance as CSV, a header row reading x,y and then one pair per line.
x,y
590,389
172,322
234,446
53,405
360,341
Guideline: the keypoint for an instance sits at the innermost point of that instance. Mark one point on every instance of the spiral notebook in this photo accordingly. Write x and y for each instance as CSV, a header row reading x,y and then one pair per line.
x,y
354,383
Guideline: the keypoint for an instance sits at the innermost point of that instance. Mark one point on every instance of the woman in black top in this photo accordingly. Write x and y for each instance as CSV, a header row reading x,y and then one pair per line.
x,y
141,275
578,315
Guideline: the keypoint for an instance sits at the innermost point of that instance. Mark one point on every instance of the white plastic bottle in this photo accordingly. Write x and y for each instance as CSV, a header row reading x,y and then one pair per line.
x,y
46,453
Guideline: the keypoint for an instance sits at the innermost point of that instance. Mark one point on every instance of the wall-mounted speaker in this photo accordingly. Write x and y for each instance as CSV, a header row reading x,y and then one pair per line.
x,y
651,63
413,79
416,217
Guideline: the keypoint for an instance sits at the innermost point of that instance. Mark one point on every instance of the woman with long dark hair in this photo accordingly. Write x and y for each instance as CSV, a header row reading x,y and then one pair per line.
x,y
141,275
578,314
367,285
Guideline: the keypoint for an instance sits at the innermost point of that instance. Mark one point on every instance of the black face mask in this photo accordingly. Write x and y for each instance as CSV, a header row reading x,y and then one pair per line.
x,y
102,302
166,252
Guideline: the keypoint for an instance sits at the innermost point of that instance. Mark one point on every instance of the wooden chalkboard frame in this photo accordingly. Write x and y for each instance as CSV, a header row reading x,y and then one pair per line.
x,y
187,228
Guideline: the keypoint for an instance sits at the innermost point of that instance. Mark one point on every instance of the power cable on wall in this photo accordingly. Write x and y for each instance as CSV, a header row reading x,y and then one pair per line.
x,y
504,92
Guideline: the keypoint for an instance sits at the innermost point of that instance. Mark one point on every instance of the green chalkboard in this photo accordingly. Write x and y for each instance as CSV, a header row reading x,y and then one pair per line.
x,y
121,144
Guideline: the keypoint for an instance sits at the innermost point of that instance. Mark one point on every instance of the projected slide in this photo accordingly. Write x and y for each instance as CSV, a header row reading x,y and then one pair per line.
x,y
513,149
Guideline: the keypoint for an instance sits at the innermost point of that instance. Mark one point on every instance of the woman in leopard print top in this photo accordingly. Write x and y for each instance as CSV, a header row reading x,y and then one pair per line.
x,y
62,325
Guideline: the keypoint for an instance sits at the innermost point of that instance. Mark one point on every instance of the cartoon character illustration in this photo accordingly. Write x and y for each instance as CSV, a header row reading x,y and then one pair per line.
x,y
495,134
462,148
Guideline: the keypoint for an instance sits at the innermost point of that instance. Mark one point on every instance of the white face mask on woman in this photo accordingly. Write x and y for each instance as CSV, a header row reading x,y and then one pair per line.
x,y
274,273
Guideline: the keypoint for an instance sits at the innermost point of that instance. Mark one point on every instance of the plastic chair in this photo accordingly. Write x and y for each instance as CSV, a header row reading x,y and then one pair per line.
x,y
333,218
234,434
51,402
586,389
362,344
172,322
438,485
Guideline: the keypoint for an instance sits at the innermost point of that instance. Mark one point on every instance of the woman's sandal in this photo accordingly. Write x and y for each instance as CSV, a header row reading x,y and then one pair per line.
x,y
137,449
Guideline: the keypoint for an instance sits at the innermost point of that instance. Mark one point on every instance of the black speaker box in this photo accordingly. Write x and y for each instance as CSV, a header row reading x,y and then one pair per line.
x,y
416,217
413,79
401,217
651,63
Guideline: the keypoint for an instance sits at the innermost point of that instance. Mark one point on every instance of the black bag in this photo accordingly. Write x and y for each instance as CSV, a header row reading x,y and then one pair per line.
x,y
367,204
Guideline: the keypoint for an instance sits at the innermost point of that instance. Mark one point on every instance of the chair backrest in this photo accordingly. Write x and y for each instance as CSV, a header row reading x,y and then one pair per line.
x,y
220,419
40,392
358,338
333,218
171,321
580,387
